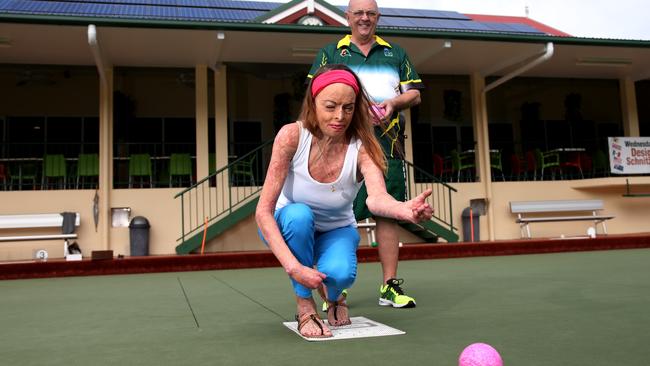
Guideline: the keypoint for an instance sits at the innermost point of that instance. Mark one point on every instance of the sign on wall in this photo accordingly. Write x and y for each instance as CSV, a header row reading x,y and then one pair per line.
x,y
629,155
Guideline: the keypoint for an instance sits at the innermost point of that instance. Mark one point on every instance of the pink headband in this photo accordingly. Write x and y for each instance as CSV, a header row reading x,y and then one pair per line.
x,y
332,77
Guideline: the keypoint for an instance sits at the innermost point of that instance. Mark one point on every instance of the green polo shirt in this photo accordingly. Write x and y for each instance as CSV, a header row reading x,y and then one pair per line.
x,y
385,72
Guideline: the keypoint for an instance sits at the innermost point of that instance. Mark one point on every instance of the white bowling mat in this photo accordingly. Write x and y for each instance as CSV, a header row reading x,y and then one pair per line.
x,y
360,328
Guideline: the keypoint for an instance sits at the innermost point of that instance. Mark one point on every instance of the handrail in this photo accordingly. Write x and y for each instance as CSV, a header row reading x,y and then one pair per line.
x,y
419,180
220,193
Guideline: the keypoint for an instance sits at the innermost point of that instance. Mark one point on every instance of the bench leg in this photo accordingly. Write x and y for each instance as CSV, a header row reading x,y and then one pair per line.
x,y
523,226
604,227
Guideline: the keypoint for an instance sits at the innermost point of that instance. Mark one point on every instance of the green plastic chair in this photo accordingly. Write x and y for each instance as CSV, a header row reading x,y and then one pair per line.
x,y
26,171
548,160
243,170
140,167
87,167
461,163
496,164
212,163
180,165
600,164
54,168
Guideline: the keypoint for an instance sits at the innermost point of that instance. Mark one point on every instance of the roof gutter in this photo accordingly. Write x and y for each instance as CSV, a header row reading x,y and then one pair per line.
x,y
100,60
546,55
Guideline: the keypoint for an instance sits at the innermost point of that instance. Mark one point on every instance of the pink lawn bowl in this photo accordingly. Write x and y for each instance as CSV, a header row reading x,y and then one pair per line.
x,y
378,114
479,354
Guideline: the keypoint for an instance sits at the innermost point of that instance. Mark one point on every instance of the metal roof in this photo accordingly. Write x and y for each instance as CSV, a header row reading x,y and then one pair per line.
x,y
244,12
186,10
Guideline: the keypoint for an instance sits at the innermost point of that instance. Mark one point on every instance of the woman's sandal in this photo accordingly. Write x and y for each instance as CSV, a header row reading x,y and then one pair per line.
x,y
335,307
306,318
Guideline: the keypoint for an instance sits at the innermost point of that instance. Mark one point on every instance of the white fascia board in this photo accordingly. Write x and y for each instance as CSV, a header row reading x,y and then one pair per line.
x,y
331,14
279,16
296,8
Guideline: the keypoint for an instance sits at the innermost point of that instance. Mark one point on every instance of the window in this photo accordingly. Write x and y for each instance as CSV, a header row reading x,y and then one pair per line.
x,y
26,137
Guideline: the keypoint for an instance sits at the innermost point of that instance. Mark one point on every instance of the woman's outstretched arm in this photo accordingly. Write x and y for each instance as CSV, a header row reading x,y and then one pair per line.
x,y
382,204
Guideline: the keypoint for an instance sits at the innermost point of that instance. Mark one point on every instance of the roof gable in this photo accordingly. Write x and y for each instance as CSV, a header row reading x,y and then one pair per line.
x,y
294,10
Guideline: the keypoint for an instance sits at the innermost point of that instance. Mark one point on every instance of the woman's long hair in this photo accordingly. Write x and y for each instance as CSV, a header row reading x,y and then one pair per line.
x,y
360,126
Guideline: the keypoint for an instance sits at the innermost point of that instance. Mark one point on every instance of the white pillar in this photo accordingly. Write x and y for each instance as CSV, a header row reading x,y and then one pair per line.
x,y
408,132
629,108
201,107
105,157
480,122
221,116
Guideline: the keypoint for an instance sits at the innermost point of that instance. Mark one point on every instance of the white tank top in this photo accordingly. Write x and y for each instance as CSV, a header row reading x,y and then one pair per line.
x,y
330,202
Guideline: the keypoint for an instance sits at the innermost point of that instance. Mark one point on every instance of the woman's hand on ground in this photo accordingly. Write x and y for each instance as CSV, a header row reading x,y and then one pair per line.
x,y
306,276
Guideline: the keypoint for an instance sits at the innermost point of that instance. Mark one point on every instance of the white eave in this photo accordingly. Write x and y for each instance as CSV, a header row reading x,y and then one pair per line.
x,y
312,7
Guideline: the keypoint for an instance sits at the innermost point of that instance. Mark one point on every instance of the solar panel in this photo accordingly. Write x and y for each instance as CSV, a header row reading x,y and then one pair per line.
x,y
385,12
228,4
258,5
452,15
422,22
101,9
133,8
525,28
511,28
422,13
390,22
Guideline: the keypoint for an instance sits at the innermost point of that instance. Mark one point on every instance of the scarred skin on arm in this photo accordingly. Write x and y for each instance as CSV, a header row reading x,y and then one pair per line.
x,y
284,148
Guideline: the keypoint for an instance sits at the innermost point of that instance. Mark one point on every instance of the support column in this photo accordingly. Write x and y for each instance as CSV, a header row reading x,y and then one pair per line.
x,y
201,107
221,115
480,121
408,149
105,157
629,107
408,132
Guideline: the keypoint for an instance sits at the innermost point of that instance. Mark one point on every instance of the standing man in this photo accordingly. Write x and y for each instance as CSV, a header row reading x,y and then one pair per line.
x,y
388,76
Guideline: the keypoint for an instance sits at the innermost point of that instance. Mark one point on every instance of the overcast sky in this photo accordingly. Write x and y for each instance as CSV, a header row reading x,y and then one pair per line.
x,y
619,19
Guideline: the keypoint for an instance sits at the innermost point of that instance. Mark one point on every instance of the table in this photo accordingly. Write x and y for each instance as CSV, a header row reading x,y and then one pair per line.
x,y
568,149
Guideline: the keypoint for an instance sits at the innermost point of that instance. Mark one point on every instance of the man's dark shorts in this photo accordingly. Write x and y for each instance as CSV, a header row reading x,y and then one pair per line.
x,y
395,186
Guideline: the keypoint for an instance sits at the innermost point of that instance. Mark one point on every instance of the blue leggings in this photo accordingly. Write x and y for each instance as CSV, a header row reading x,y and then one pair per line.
x,y
334,252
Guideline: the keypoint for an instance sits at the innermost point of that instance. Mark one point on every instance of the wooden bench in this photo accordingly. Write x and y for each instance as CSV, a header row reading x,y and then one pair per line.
x,y
34,221
524,210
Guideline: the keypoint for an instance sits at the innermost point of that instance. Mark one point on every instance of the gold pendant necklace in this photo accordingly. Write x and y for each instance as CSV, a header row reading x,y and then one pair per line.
x,y
329,173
